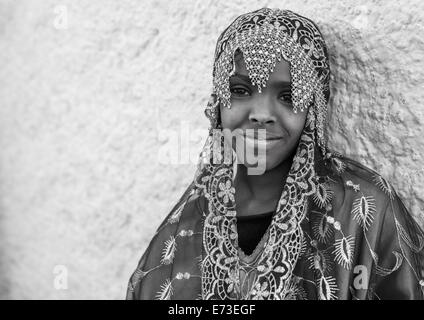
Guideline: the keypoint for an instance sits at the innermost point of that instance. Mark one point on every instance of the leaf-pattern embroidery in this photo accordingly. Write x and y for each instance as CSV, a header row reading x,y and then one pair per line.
x,y
384,185
292,292
168,252
175,216
327,288
363,210
320,261
405,237
344,248
304,246
322,229
166,291
323,195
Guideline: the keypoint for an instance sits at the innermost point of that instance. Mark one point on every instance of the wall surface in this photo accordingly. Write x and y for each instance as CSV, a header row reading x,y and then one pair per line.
x,y
91,92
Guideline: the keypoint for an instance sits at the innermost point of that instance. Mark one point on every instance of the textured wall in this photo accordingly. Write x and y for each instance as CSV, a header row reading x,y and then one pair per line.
x,y
90,91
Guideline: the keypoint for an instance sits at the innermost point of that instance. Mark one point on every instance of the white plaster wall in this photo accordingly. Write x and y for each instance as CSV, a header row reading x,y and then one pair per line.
x,y
86,102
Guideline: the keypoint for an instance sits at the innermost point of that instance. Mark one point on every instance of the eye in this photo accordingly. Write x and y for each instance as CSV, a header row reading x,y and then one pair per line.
x,y
286,97
239,91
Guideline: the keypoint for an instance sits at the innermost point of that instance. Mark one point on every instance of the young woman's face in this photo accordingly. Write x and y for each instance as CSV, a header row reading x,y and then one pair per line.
x,y
272,109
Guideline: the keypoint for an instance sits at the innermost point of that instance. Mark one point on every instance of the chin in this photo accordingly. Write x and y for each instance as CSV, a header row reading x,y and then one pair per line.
x,y
263,164
271,163
268,161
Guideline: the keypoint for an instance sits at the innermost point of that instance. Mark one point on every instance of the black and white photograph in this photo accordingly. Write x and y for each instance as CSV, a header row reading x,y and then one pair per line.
x,y
211,150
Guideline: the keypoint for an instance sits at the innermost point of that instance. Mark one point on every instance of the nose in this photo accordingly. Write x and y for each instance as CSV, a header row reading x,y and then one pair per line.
x,y
261,114
261,119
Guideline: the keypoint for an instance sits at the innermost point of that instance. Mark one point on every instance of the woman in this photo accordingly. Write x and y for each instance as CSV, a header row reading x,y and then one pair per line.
x,y
297,222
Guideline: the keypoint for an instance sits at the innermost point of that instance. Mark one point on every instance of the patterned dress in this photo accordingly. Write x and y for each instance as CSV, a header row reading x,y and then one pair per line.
x,y
358,241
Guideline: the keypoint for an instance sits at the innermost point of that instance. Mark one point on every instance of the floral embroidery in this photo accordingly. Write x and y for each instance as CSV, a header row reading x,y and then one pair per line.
x,y
227,191
299,160
232,280
260,291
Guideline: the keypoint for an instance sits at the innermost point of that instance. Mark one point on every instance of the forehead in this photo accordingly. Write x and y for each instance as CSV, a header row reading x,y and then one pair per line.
x,y
281,71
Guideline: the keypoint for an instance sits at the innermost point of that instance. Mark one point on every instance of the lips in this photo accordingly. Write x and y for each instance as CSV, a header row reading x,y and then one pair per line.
x,y
268,143
268,136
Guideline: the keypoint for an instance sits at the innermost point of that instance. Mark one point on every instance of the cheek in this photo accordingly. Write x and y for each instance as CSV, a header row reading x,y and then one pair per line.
x,y
232,118
295,123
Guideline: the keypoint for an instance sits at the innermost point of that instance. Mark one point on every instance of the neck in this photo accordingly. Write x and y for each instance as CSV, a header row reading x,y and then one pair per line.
x,y
265,187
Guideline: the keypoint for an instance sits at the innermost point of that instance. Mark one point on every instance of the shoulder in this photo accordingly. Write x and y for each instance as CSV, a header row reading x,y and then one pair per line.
x,y
185,214
367,205
358,184
182,220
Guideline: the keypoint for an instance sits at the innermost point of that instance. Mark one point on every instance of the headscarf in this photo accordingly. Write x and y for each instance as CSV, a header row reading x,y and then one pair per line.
x,y
310,250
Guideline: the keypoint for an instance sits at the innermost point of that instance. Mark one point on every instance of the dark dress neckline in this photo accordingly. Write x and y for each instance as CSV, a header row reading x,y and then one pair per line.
x,y
251,230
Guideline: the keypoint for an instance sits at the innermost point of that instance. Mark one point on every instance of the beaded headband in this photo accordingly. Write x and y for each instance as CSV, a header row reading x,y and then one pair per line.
x,y
266,36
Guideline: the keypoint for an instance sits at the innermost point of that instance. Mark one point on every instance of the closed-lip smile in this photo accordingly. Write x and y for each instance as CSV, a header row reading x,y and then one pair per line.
x,y
268,137
269,142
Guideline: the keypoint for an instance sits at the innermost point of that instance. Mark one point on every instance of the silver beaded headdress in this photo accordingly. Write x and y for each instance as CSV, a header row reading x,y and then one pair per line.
x,y
266,36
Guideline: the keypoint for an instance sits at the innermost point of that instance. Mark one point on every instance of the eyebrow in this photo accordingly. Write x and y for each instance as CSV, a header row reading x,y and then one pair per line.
x,y
247,79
